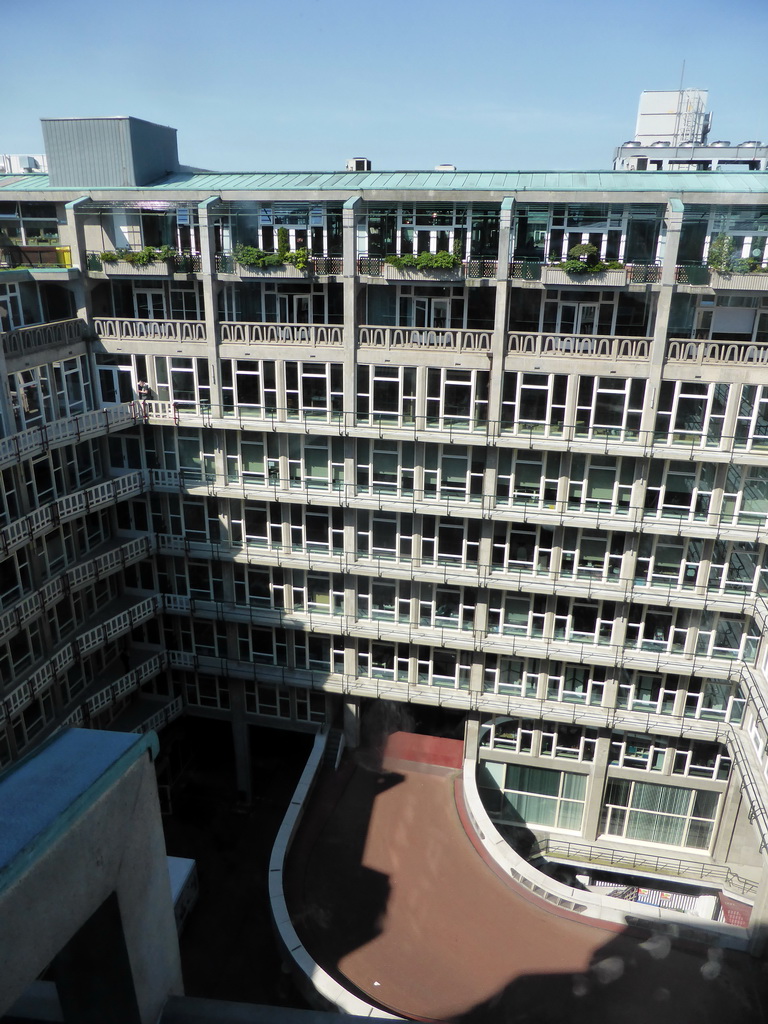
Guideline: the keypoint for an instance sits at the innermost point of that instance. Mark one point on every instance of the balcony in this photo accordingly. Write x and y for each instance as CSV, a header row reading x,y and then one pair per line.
x,y
604,279
424,338
24,340
112,328
569,346
692,351
377,266
138,262
319,266
34,256
241,333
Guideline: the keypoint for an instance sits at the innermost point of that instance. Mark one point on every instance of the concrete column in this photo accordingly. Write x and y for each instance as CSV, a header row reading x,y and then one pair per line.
x,y
210,291
757,938
93,974
351,712
595,787
240,740
499,342
674,220
350,284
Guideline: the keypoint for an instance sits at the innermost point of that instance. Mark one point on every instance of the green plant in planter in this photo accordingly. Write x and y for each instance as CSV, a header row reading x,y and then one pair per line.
x,y
250,256
111,255
141,257
283,248
583,259
299,258
425,261
721,256
167,252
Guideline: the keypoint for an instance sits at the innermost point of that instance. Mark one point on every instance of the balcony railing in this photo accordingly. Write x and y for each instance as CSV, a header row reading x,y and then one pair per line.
x,y
179,263
603,279
125,329
29,339
691,350
475,267
424,338
693,273
320,266
36,440
593,346
240,333
36,256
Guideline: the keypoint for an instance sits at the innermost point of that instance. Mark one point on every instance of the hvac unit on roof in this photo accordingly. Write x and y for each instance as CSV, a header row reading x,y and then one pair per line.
x,y
359,163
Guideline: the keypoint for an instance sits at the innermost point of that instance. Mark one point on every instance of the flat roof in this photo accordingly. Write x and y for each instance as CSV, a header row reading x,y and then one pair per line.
x,y
717,182
41,795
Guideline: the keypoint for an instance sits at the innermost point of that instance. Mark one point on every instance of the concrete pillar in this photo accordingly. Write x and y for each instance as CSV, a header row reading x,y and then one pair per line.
x,y
210,302
590,828
350,286
240,740
674,220
757,936
93,974
351,721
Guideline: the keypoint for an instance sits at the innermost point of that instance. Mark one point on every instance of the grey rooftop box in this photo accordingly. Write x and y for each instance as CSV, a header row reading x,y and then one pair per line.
x,y
104,152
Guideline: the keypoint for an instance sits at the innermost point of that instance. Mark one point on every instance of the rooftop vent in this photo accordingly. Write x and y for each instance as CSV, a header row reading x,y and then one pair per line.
x,y
359,163
751,142
445,167
660,144
720,144
688,145
632,142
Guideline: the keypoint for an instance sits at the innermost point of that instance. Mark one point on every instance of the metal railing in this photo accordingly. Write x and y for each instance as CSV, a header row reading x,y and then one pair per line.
x,y
36,440
178,263
585,853
48,256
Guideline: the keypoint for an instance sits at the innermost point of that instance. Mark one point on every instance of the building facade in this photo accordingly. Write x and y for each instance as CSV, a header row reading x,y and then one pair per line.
x,y
277,446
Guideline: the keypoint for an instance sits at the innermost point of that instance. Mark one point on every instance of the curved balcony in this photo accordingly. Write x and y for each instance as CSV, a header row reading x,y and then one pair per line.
x,y
23,340
424,338
243,333
699,352
132,329
593,346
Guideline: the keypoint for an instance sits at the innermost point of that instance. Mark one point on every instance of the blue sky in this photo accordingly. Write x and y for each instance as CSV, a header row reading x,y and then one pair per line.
x,y
304,84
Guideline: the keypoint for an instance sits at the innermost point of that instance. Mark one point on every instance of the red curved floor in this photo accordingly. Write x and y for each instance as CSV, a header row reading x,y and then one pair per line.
x,y
389,893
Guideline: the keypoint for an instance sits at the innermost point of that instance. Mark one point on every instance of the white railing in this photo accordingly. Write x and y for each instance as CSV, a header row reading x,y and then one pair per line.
x,y
169,712
126,684
594,346
122,328
242,333
39,439
577,901
691,350
29,339
327,987
424,338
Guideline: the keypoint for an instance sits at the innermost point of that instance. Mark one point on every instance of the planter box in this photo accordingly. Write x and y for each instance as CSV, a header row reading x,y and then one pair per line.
x,y
607,279
739,282
391,273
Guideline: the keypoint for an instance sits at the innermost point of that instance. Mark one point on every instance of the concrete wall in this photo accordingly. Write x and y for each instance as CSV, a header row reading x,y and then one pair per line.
x,y
115,846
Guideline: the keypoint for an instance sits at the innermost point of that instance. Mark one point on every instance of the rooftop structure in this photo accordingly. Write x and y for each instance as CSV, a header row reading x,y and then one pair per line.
x,y
672,135
286,448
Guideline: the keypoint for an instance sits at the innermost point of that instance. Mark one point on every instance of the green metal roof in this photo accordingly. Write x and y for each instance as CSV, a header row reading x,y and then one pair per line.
x,y
754,182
